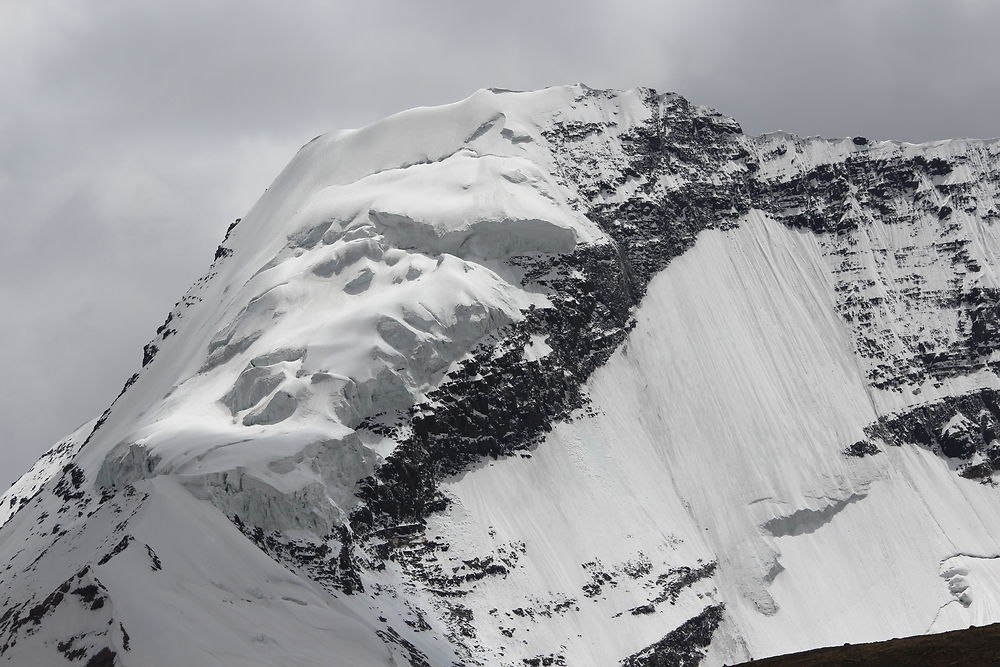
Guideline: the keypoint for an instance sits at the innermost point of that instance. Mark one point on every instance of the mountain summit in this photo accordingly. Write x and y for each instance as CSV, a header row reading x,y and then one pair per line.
x,y
564,377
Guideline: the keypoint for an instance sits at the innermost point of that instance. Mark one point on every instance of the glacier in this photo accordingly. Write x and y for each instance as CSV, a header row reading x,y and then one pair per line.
x,y
560,377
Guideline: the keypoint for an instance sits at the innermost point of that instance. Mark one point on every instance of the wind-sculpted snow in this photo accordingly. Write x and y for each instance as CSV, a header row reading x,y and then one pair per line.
x,y
565,377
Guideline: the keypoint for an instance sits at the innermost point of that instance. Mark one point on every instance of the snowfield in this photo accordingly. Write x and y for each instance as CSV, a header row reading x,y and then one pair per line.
x,y
564,377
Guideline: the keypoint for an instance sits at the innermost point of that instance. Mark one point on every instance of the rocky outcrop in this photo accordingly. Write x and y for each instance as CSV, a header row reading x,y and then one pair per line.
x,y
964,427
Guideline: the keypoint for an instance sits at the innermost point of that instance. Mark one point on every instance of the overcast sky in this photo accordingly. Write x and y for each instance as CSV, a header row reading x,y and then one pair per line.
x,y
132,132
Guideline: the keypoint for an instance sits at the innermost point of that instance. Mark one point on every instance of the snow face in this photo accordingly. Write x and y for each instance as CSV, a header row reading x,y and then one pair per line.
x,y
559,377
717,438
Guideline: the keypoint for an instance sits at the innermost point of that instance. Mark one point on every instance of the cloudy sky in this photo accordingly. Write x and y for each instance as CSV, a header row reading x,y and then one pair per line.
x,y
132,131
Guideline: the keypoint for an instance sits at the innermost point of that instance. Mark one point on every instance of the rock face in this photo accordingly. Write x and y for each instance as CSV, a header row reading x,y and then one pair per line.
x,y
565,377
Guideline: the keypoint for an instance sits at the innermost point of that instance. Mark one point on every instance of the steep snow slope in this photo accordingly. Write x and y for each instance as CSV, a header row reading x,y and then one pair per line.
x,y
718,436
560,377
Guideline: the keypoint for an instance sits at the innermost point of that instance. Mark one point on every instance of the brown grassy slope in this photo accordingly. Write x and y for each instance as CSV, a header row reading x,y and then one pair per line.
x,y
974,646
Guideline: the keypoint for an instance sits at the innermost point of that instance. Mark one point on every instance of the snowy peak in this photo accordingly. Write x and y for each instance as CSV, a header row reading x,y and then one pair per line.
x,y
383,274
569,376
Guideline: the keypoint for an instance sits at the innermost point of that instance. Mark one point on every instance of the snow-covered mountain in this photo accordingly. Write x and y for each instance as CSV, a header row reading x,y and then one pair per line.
x,y
566,377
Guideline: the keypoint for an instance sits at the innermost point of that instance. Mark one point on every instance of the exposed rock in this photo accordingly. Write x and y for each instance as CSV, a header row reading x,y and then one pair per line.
x,y
683,646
